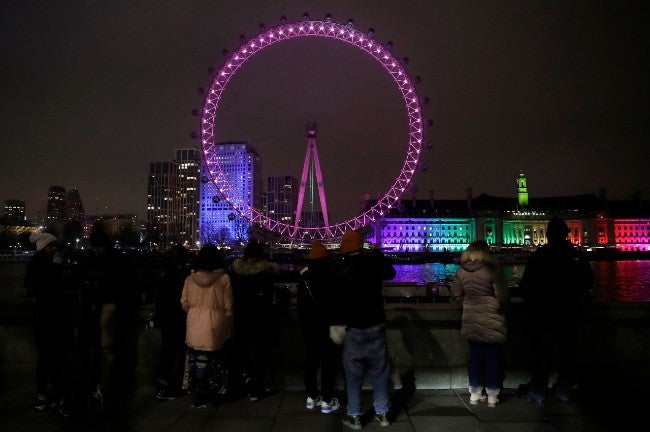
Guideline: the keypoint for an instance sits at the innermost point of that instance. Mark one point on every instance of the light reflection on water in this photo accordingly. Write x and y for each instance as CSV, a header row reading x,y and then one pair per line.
x,y
625,281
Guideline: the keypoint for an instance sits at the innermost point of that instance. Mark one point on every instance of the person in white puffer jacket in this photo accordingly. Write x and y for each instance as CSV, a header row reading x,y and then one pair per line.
x,y
480,287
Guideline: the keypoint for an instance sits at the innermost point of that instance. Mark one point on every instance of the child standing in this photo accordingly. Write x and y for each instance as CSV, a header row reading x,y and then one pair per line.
x,y
207,299
480,287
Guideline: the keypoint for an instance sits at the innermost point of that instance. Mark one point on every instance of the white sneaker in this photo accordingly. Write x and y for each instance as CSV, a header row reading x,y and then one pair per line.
x,y
313,403
328,407
476,395
492,397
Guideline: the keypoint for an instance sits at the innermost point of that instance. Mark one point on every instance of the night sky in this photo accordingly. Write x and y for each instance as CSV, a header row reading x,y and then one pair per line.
x,y
92,91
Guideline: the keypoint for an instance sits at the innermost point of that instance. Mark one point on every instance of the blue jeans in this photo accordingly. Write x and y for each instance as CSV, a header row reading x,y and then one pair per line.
x,y
365,351
485,365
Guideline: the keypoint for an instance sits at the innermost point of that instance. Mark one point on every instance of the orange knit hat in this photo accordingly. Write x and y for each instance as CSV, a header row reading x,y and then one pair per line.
x,y
352,241
318,250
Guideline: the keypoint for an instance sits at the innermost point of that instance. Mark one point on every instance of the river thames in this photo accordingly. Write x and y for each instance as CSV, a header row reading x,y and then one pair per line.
x,y
615,281
624,281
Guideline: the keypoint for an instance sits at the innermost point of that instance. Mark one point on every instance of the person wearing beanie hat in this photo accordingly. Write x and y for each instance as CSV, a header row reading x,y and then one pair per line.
x,y
360,307
41,240
553,285
351,242
318,250
314,305
44,281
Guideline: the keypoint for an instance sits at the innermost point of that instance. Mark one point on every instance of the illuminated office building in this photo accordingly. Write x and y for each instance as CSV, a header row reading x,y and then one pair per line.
x,y
56,203
219,222
162,211
281,198
74,205
187,200
173,200
14,210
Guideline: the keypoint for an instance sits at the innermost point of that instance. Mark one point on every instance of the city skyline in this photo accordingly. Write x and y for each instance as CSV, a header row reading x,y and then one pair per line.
x,y
95,92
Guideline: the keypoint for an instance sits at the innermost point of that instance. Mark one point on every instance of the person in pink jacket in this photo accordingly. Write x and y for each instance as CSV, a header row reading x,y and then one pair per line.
x,y
207,299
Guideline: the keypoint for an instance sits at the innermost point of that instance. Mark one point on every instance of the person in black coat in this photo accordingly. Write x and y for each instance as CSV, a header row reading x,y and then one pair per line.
x,y
314,307
105,339
553,286
170,318
52,326
255,333
360,307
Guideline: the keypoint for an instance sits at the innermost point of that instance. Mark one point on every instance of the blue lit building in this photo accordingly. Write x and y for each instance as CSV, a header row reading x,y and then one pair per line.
x,y
219,222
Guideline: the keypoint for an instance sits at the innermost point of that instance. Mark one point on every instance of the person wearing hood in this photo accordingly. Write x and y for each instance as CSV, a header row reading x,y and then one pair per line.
x,y
207,298
255,320
479,286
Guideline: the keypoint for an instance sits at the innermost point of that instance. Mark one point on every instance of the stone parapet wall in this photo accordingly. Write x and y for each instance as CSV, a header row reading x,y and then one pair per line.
x,y
424,340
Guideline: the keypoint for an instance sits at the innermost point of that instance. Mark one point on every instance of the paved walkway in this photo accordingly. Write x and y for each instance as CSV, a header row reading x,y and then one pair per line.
x,y
419,410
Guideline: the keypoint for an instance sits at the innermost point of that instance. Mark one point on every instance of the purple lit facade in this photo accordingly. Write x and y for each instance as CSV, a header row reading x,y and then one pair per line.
x,y
323,29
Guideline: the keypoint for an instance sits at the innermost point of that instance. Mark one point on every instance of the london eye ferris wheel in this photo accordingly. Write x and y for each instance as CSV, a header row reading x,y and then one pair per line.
x,y
307,28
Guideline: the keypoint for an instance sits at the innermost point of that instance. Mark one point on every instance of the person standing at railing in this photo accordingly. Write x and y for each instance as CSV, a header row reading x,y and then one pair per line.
x,y
255,341
107,277
360,307
170,318
53,329
553,287
207,298
314,307
480,287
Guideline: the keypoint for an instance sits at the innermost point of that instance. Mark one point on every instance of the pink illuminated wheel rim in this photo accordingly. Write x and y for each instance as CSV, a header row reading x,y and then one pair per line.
x,y
324,29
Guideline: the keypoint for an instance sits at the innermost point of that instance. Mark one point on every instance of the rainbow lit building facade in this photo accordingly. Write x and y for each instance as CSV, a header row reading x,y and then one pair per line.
x,y
517,222
403,233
